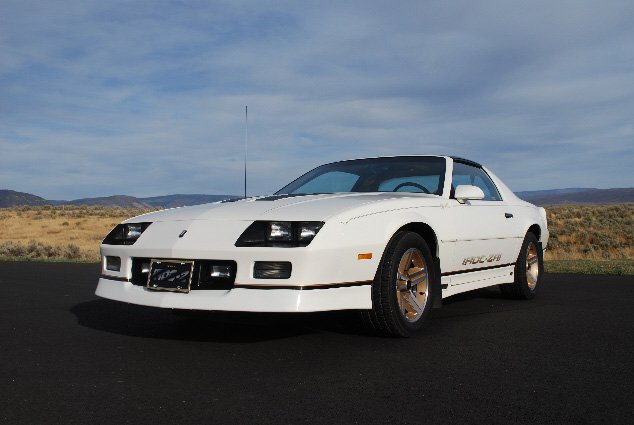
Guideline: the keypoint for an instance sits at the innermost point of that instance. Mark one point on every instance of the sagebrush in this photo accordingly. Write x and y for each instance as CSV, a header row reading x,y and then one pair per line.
x,y
591,232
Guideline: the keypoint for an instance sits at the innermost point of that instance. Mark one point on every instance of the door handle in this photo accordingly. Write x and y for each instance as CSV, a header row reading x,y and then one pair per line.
x,y
508,215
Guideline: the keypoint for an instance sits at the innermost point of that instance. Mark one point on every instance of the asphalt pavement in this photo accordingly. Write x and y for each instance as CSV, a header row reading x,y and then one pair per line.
x,y
68,357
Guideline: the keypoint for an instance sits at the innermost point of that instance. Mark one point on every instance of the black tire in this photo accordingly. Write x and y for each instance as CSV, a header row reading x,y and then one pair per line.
x,y
527,276
390,314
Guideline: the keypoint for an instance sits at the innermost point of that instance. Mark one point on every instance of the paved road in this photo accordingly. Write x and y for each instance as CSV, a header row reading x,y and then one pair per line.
x,y
69,357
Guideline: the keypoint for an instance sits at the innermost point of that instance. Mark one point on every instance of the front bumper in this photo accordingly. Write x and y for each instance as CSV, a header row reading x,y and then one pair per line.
x,y
327,275
302,299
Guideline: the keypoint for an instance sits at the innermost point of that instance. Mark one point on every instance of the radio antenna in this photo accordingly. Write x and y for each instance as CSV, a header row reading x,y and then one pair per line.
x,y
246,143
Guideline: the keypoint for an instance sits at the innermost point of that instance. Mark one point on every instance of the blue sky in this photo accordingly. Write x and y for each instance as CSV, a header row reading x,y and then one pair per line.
x,y
147,97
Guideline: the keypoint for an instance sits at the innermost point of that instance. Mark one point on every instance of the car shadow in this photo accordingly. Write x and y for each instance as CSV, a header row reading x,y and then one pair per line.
x,y
240,327
148,322
492,292
488,300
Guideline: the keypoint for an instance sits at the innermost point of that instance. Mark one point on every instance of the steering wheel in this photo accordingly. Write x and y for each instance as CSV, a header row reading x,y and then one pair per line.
x,y
421,187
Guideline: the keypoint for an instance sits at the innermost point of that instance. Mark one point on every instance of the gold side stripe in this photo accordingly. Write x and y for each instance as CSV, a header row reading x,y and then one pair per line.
x,y
302,287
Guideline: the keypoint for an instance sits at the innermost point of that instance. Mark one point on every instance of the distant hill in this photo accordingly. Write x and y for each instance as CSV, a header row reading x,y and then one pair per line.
x,y
171,201
10,198
121,201
534,193
579,196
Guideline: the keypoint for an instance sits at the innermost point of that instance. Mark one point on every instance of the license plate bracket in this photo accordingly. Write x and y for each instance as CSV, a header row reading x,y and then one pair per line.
x,y
170,275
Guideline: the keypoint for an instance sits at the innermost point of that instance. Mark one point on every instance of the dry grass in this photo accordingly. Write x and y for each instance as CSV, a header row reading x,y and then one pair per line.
x,y
612,267
71,233
604,232
591,232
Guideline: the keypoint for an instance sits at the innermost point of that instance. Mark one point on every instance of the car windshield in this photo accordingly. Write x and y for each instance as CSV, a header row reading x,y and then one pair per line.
x,y
422,174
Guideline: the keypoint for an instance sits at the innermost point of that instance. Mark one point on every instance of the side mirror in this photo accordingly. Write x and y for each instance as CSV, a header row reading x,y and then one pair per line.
x,y
465,192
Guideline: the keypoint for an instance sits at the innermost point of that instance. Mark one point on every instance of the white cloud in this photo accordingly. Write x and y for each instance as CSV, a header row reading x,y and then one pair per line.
x,y
147,98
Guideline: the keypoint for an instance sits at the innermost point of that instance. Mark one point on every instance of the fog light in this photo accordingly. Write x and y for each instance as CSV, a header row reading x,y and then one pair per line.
x,y
223,272
145,267
113,263
272,270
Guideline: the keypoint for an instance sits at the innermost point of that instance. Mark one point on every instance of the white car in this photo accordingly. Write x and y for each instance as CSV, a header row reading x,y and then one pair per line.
x,y
390,236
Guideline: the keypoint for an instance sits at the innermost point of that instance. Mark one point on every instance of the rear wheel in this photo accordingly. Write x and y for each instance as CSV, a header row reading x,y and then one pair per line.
x,y
402,289
528,270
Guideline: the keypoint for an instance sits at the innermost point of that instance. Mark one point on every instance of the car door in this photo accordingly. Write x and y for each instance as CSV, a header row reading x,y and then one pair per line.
x,y
480,233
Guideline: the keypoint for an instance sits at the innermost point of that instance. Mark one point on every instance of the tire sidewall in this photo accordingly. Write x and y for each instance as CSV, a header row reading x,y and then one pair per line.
x,y
403,242
520,269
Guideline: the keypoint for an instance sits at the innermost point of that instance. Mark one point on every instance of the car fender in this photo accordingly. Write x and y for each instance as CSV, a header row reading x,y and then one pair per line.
x,y
535,216
377,228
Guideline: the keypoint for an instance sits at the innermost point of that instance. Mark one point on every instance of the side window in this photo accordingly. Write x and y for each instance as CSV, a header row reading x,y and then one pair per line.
x,y
468,174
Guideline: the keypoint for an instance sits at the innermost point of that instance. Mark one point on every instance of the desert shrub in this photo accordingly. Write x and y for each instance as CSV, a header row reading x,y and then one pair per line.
x,y
72,252
591,231
39,250
33,249
12,249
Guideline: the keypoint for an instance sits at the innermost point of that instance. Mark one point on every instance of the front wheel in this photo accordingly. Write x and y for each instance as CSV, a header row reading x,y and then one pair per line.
x,y
528,270
402,289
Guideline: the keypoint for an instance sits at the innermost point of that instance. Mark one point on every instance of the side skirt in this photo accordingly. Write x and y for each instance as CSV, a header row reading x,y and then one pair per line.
x,y
468,281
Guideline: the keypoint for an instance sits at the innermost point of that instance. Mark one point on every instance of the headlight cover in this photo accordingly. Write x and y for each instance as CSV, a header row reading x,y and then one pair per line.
x,y
282,234
125,234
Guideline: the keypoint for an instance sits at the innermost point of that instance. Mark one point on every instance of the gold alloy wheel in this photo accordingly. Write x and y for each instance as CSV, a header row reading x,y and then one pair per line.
x,y
532,266
412,285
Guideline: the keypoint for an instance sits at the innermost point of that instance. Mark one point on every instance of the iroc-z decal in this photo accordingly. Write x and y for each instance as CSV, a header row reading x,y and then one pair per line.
x,y
482,259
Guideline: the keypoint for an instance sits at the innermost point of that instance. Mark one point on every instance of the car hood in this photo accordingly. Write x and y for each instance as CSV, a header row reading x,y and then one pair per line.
x,y
319,207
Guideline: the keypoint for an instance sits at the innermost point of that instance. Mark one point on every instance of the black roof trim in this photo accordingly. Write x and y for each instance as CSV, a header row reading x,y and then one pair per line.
x,y
466,161
282,196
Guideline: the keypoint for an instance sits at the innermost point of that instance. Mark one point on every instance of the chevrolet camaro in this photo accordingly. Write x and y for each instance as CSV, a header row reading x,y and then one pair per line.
x,y
389,236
